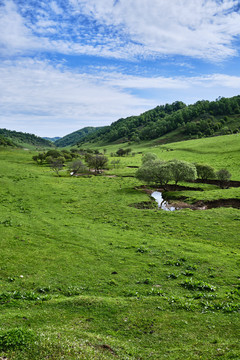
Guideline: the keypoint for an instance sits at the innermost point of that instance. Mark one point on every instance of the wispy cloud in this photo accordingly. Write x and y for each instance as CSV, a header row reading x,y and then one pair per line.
x,y
34,90
203,29
54,100
43,96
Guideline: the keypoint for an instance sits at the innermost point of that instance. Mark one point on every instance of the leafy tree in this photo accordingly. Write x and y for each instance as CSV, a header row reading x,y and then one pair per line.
x,y
162,172
223,175
57,164
96,161
145,173
35,158
120,152
49,159
182,171
54,153
148,157
205,171
76,167
127,151
156,171
39,158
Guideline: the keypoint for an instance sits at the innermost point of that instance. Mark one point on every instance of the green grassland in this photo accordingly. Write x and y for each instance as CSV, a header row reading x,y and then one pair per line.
x,y
96,278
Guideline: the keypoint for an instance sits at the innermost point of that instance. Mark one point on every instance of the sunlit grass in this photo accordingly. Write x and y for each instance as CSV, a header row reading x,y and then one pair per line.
x,y
95,278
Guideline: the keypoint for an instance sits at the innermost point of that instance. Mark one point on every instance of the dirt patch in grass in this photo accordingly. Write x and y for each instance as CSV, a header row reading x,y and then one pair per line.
x,y
230,183
169,187
234,203
181,204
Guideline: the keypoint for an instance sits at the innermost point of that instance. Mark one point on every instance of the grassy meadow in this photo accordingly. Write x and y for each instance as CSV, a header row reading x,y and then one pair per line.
x,y
90,276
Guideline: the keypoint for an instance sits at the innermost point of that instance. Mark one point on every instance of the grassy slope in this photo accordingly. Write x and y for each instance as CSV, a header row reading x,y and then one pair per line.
x,y
66,236
29,141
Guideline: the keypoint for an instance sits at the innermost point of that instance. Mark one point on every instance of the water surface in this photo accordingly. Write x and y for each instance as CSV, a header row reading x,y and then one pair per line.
x,y
162,204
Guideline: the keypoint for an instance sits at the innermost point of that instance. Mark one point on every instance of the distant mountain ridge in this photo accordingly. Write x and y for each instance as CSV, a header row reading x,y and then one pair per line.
x,y
75,137
173,122
17,138
53,139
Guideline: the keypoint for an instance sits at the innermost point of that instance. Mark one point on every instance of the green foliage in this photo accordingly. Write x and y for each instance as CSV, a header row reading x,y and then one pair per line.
x,y
97,162
146,172
57,164
77,166
16,339
182,170
122,152
223,175
55,158
191,284
149,157
17,295
53,153
204,118
205,171
160,172
19,138
73,138
5,141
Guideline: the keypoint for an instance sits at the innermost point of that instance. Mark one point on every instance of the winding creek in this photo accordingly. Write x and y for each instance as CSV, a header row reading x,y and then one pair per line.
x,y
162,204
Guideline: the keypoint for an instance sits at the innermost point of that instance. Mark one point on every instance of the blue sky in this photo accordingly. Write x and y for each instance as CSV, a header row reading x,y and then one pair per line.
x,y
67,64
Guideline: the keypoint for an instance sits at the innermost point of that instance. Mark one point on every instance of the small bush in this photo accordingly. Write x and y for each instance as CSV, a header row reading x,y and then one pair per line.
x,y
16,339
142,250
197,285
172,276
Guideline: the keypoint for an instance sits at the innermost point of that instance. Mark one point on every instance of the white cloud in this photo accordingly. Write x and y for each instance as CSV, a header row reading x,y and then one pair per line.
x,y
203,29
52,100
36,91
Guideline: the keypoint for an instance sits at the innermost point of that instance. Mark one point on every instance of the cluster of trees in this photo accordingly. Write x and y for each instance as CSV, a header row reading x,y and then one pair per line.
x,y
154,170
204,118
5,141
52,155
20,137
96,162
56,160
123,152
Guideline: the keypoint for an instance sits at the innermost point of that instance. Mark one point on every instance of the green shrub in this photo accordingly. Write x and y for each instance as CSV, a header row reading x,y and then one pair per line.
x,y
16,339
191,284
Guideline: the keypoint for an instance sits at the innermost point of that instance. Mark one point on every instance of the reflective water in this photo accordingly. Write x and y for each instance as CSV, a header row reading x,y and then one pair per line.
x,y
162,204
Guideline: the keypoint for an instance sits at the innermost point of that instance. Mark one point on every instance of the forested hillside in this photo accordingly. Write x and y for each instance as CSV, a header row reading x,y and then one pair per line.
x,y
75,137
204,118
20,138
5,141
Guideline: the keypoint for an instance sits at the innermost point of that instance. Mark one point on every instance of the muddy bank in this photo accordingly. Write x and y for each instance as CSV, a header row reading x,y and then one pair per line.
x,y
230,183
169,187
172,205
234,203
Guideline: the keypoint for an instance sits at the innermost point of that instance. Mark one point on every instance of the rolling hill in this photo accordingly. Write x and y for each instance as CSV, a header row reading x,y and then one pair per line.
x,y
75,137
173,122
20,139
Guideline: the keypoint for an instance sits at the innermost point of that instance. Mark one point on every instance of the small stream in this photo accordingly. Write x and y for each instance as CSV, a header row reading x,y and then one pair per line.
x,y
162,204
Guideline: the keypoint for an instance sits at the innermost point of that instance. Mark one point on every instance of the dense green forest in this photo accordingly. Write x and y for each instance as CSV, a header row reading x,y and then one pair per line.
x,y
75,137
204,118
19,138
5,141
